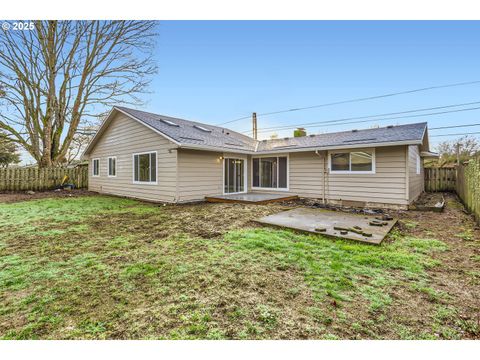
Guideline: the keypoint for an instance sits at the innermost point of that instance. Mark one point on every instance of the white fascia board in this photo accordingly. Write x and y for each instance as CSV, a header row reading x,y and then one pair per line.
x,y
311,148
341,147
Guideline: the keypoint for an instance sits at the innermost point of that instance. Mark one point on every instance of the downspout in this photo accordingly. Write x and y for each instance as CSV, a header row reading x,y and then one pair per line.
x,y
324,175
175,200
407,174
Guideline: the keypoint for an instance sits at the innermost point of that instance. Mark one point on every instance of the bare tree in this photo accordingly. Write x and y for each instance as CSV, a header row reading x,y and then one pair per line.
x,y
457,150
64,74
79,143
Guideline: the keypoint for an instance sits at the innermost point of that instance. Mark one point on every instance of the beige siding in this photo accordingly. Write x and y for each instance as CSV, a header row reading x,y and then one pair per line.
x,y
386,186
122,138
200,174
416,181
190,175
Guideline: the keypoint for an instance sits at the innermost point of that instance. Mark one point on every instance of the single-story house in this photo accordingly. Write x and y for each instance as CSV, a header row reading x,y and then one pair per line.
x,y
159,158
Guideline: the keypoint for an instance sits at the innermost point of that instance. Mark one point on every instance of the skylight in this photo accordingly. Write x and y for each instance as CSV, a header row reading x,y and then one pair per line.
x,y
202,128
234,144
190,138
168,122
355,140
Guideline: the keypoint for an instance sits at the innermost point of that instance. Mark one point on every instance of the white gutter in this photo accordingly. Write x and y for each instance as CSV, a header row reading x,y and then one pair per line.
x,y
301,149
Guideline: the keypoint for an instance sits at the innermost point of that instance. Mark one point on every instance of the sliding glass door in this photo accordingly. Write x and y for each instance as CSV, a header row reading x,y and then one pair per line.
x,y
234,175
270,172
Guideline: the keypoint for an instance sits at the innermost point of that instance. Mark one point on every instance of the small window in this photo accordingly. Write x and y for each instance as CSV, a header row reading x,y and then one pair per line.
x,y
360,162
145,168
112,166
419,164
96,167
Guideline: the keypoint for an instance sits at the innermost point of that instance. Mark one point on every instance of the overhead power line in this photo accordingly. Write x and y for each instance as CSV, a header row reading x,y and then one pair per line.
x,y
457,134
391,118
356,100
453,126
285,127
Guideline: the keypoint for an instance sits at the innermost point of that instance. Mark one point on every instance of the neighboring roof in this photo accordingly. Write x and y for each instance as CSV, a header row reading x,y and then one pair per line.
x,y
196,135
429,154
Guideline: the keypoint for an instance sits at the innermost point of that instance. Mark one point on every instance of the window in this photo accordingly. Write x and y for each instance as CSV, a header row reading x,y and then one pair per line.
x,y
145,168
419,164
96,167
360,162
112,166
270,172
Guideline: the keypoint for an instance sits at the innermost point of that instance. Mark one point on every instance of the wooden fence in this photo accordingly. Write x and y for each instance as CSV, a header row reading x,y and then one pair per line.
x,y
23,179
440,179
468,186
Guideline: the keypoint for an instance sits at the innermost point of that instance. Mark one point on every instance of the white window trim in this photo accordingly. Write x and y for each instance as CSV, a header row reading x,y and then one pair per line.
x,y
108,166
418,165
350,172
93,167
156,169
245,175
260,175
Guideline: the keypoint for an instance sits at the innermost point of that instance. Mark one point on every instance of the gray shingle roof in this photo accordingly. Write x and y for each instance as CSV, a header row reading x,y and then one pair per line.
x,y
191,133
188,132
399,133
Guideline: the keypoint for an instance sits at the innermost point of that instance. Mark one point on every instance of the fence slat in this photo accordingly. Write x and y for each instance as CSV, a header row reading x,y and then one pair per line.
x,y
23,179
468,186
440,179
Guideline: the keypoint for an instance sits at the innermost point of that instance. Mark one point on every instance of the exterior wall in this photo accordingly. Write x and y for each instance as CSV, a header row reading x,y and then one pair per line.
x,y
200,174
416,183
190,175
122,138
386,187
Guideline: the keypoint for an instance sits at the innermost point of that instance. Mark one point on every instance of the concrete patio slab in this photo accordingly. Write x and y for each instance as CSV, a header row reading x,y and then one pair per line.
x,y
369,229
251,198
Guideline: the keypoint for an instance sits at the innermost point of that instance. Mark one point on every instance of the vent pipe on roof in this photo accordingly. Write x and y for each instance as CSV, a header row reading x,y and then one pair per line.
x,y
254,124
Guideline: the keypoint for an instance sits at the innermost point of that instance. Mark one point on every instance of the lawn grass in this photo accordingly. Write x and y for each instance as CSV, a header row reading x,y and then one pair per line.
x,y
100,267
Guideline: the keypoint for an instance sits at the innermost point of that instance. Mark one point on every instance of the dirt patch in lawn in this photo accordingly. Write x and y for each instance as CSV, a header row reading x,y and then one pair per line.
x,y
205,220
455,286
11,197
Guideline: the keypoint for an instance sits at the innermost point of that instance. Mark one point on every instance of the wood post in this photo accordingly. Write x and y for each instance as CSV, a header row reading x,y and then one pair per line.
x,y
254,124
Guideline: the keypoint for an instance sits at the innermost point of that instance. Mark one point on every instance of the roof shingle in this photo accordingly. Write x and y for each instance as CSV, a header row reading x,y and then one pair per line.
x,y
186,132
